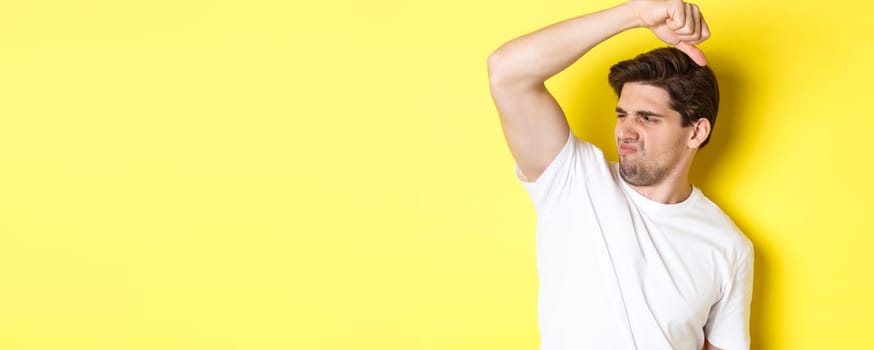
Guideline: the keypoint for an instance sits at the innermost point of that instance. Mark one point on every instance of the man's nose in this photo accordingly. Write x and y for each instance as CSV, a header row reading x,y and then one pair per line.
x,y
626,129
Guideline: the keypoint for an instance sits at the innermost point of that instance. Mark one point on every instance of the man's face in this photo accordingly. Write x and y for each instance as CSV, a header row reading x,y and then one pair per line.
x,y
649,135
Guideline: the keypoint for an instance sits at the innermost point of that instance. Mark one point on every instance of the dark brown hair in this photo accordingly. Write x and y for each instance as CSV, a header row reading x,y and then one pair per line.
x,y
693,89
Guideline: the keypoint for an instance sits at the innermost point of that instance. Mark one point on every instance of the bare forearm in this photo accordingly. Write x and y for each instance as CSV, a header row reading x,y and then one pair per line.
x,y
535,57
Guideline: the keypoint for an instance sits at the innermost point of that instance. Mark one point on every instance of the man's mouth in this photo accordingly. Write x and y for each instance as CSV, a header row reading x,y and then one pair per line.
x,y
626,149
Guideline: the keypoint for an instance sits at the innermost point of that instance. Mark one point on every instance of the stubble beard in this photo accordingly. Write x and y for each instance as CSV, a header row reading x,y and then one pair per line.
x,y
639,173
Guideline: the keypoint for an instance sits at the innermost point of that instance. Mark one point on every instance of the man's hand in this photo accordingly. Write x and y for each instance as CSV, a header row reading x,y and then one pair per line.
x,y
675,22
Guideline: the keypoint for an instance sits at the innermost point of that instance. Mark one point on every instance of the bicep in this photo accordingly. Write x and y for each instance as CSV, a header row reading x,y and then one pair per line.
x,y
534,126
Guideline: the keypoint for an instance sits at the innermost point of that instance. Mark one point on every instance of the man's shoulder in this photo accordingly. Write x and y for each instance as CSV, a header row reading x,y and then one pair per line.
x,y
722,224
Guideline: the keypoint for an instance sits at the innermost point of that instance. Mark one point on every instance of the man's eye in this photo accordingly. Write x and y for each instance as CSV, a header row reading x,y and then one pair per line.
x,y
620,116
647,118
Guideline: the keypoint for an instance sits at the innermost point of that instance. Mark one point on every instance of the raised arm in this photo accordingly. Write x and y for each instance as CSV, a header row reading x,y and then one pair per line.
x,y
534,125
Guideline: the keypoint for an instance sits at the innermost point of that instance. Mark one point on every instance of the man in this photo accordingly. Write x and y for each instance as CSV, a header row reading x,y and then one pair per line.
x,y
630,255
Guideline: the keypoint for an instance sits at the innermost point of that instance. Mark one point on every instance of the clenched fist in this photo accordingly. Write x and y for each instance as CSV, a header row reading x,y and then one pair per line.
x,y
675,22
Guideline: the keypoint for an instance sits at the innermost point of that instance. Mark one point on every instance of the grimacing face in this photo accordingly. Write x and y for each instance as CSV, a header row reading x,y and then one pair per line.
x,y
649,134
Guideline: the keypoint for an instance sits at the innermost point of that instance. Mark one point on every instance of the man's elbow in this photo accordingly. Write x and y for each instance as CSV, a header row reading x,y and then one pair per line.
x,y
498,73
511,66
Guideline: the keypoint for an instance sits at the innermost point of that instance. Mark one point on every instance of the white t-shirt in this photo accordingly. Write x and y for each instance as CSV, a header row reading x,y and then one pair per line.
x,y
620,271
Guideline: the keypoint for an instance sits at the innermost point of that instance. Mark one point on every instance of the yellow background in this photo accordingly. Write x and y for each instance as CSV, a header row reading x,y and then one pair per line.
x,y
290,175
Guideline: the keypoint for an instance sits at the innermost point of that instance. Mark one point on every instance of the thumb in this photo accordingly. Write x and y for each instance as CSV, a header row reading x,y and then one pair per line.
x,y
694,53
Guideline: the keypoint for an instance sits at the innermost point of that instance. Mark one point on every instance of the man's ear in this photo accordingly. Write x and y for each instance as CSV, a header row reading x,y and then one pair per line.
x,y
700,132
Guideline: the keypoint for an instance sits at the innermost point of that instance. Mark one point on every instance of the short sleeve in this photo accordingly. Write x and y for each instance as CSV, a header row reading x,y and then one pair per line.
x,y
563,173
728,323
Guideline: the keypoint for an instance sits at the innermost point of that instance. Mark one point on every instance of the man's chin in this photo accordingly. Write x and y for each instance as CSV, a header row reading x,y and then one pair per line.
x,y
626,171
632,174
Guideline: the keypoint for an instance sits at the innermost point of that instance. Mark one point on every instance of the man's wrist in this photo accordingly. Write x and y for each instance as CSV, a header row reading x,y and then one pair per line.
x,y
632,10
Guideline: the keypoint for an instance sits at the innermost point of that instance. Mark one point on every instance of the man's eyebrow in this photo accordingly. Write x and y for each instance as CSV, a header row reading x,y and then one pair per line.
x,y
650,114
642,113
